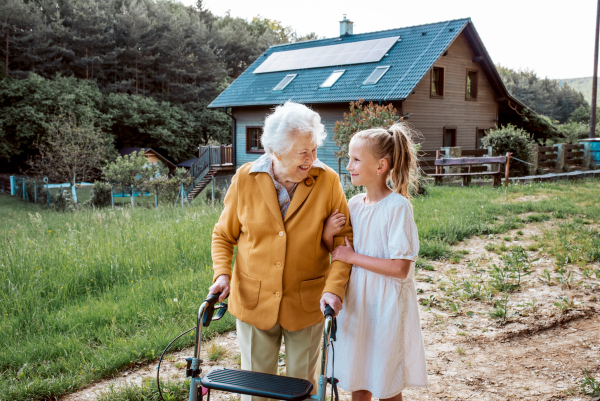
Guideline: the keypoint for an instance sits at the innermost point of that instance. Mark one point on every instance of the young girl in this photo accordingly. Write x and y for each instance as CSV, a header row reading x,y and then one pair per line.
x,y
379,349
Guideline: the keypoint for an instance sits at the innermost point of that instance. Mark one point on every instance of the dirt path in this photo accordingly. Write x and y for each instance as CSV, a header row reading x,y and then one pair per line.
x,y
538,355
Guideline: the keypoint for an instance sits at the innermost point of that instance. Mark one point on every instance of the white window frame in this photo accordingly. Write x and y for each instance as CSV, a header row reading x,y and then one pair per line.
x,y
382,67
334,79
279,88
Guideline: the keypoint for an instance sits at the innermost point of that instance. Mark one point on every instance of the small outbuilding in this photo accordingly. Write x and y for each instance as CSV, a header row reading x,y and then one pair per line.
x,y
152,156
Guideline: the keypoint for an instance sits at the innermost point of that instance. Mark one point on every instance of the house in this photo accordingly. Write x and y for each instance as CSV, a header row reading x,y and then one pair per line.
x,y
439,74
152,156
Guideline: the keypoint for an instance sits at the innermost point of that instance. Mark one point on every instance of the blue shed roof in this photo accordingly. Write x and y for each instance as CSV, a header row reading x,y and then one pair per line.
x,y
409,60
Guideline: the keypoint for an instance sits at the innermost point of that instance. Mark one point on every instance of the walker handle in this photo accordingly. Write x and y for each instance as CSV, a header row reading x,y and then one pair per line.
x,y
329,311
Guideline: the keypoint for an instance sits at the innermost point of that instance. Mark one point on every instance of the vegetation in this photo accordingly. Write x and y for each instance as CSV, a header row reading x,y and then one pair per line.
x,y
71,151
87,294
145,69
361,117
514,140
544,96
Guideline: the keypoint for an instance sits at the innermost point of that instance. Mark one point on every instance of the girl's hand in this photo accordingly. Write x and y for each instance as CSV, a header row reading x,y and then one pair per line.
x,y
334,224
343,253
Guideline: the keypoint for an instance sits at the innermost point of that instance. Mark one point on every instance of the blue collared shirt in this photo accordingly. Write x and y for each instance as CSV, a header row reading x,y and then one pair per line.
x,y
264,164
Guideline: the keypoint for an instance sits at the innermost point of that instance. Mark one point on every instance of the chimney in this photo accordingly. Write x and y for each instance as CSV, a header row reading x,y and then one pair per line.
x,y
346,26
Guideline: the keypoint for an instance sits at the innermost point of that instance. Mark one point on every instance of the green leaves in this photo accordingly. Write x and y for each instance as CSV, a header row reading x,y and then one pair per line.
x,y
361,117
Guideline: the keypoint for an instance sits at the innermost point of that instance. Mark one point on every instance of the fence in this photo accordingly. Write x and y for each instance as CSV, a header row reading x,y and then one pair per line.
x,y
560,155
67,197
5,184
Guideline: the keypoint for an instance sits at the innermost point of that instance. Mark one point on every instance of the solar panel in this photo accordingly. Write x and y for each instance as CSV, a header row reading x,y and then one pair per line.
x,y
376,75
332,79
284,82
366,51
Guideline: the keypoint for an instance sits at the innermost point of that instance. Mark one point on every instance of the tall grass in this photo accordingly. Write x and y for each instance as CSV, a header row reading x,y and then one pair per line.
x,y
85,294
448,215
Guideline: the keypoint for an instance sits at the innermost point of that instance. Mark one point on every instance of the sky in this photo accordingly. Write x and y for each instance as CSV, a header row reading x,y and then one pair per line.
x,y
553,38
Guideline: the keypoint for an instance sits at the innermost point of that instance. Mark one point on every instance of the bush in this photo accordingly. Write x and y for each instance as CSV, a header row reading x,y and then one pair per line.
x,y
101,196
514,140
574,131
63,201
218,194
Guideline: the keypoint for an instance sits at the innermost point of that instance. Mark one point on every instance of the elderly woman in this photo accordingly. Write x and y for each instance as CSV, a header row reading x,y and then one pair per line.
x,y
274,212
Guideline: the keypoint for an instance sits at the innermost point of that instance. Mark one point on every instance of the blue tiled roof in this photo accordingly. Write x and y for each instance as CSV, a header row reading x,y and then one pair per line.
x,y
410,59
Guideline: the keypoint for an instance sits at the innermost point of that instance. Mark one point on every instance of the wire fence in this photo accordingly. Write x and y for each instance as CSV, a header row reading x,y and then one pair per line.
x,y
65,196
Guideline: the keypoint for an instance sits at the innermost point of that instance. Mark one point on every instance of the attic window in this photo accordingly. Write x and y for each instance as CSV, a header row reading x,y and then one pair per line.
x,y
332,79
284,82
376,75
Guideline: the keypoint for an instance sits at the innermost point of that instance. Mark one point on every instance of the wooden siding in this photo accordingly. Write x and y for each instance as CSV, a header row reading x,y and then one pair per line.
x,y
431,115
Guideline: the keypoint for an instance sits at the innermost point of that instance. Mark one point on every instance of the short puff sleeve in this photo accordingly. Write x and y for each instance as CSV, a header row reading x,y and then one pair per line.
x,y
403,239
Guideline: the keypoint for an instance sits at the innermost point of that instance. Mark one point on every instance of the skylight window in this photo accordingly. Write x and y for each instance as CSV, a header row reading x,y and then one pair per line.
x,y
284,82
332,79
376,75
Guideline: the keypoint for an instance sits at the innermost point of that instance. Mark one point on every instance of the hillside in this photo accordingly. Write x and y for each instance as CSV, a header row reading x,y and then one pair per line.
x,y
583,85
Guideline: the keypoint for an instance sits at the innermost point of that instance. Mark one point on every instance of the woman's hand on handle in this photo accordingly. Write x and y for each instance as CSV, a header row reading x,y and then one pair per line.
x,y
332,300
221,285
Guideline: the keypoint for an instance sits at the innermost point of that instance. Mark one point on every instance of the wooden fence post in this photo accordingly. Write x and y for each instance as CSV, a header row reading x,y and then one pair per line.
x,y
452,152
587,154
562,154
535,159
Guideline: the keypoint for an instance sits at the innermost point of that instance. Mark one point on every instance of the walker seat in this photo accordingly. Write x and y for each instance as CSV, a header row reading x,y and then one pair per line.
x,y
257,384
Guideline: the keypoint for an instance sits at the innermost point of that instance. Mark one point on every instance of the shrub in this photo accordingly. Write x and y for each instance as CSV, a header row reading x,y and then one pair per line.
x,y
218,194
514,140
574,131
63,201
101,196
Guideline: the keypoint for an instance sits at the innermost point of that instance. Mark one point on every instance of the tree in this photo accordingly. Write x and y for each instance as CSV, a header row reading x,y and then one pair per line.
x,y
132,169
544,96
72,150
361,116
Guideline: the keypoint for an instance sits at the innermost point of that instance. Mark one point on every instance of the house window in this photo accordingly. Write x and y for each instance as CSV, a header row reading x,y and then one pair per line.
x,y
481,133
253,143
332,79
284,82
376,75
471,91
437,82
449,137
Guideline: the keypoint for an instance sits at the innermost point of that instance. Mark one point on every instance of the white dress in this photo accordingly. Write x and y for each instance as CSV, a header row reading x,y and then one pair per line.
x,y
379,344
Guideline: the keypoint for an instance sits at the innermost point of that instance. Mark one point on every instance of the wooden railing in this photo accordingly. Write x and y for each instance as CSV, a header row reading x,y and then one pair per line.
x,y
211,156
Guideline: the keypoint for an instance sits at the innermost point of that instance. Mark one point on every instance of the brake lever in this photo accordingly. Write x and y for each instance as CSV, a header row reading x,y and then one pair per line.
x,y
222,309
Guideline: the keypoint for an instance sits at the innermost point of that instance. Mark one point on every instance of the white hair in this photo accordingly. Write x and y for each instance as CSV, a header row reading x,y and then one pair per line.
x,y
286,122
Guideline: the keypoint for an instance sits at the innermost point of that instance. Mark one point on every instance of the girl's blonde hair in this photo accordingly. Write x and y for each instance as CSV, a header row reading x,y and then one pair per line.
x,y
397,147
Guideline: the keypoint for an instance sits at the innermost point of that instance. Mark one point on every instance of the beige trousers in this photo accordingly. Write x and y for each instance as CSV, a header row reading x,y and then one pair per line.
x,y
260,351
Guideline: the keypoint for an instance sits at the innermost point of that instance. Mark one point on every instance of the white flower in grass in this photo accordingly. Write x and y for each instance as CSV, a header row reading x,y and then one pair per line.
x,y
174,299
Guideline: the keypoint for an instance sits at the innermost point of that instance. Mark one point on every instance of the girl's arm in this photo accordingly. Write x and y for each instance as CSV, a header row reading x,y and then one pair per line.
x,y
397,268
333,226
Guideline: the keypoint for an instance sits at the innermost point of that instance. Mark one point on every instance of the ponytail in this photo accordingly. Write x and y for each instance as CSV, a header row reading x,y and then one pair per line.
x,y
396,145
404,169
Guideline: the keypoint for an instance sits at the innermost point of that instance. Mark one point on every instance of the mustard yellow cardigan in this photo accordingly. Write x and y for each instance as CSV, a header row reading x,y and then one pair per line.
x,y
282,267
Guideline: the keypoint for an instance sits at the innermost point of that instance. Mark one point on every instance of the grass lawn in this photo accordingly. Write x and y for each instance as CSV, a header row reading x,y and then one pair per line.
x,y
84,295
